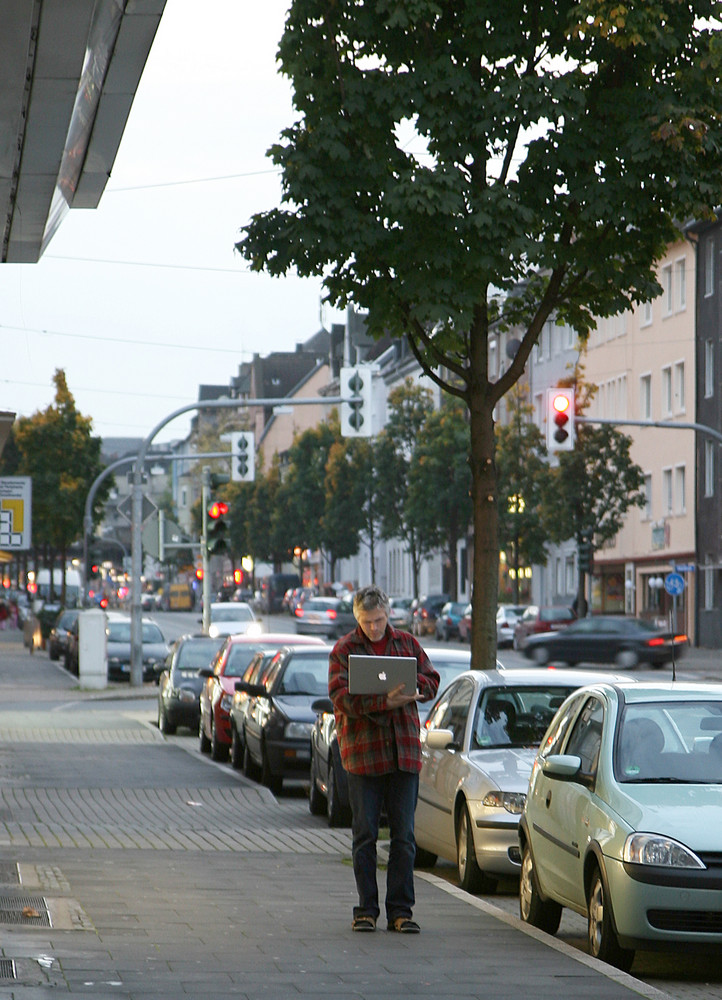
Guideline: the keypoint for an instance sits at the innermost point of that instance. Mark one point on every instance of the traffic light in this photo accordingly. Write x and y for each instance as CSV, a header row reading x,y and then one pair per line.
x,y
356,395
560,420
586,554
217,528
243,456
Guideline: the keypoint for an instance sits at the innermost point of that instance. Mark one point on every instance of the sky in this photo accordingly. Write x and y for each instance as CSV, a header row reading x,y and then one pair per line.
x,y
145,298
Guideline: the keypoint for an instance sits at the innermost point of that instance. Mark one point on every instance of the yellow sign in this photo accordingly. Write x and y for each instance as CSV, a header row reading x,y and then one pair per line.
x,y
15,512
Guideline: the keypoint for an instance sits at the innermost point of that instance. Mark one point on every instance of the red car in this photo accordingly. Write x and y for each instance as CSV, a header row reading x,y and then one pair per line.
x,y
216,697
539,619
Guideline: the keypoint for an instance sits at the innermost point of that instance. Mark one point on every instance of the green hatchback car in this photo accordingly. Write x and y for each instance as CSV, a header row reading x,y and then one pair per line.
x,y
621,820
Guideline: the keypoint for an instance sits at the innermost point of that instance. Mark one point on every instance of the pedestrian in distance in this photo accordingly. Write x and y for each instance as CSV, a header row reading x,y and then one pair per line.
x,y
378,737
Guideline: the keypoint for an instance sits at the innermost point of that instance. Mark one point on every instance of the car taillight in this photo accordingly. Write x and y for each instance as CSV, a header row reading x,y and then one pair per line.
x,y
331,613
299,612
656,642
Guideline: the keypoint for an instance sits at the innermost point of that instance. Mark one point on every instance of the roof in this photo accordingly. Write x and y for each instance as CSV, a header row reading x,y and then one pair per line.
x,y
68,75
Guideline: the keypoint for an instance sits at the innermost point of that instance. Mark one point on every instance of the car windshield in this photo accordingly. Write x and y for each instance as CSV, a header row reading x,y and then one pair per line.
x,y
239,658
120,632
670,742
515,716
306,675
232,613
197,653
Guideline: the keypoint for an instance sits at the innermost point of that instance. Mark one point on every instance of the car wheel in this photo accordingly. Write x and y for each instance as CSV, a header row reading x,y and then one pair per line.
x,y
316,801
540,655
337,813
471,877
603,941
236,750
53,651
250,767
204,744
274,782
219,751
166,727
626,658
542,913
424,858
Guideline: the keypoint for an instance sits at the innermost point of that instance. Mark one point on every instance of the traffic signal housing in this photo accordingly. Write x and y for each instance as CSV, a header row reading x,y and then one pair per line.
x,y
560,420
356,401
217,530
586,554
243,456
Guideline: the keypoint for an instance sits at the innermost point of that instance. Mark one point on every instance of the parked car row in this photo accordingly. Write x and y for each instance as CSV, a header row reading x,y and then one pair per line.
x,y
118,646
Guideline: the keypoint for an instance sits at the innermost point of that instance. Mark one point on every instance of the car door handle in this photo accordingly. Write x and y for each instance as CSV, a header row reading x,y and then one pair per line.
x,y
548,799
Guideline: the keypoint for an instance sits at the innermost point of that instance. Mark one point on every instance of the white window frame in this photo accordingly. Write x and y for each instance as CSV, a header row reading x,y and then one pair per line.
x,y
645,396
680,489
668,290
708,369
647,314
709,267
667,398
680,268
708,572
678,388
709,468
667,491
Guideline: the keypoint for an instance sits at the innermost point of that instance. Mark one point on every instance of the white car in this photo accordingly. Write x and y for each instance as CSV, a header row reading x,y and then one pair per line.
x,y
479,742
233,618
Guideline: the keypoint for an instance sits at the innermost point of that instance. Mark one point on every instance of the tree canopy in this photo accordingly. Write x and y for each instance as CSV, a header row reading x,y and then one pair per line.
x,y
453,163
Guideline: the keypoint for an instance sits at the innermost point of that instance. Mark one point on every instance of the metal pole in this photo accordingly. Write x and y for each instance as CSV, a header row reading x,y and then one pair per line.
x,y
205,559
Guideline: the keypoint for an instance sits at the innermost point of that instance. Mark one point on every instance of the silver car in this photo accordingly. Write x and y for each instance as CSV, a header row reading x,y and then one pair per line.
x,y
479,742
621,822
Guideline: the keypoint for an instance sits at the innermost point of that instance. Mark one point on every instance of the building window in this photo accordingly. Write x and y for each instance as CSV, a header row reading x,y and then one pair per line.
x,y
184,496
709,468
680,489
646,313
647,489
709,268
559,579
571,579
708,586
667,291
708,369
681,283
667,498
645,397
666,392
679,398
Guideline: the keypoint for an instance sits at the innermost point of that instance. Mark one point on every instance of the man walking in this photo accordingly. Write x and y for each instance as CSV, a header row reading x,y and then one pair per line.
x,y
378,736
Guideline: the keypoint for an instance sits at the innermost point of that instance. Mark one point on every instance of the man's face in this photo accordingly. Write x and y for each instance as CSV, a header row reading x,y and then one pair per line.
x,y
372,623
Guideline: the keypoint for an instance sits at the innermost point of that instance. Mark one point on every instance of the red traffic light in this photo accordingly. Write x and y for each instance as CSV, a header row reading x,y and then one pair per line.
x,y
561,403
217,509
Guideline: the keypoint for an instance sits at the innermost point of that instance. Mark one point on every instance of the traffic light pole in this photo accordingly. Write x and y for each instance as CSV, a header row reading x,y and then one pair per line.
x,y
136,613
205,559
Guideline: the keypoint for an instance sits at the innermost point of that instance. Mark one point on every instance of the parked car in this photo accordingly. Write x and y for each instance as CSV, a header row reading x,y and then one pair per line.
x,y
541,619
465,625
447,622
507,616
326,616
400,614
57,642
180,683
621,821
233,618
216,697
478,746
426,612
626,642
254,674
279,719
155,648
329,789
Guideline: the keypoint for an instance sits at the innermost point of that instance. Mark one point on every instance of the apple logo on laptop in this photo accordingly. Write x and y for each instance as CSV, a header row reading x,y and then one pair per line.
x,y
382,675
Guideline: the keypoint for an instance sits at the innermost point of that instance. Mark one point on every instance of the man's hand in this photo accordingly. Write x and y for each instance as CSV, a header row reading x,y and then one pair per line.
x,y
396,698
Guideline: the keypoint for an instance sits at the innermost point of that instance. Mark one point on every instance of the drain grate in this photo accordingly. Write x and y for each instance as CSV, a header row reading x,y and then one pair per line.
x,y
31,911
7,968
9,873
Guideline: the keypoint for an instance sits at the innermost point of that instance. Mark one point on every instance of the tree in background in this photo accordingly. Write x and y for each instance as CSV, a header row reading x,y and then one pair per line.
x,y
593,487
408,407
450,165
58,451
439,488
349,500
523,477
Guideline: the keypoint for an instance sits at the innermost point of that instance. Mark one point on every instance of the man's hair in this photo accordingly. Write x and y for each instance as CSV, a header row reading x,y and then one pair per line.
x,y
369,598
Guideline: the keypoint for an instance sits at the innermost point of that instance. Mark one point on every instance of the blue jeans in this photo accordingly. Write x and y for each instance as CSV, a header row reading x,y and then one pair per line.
x,y
368,795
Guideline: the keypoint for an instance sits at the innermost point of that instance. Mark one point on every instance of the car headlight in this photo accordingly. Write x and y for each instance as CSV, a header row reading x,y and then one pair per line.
x,y
298,730
654,849
513,802
255,628
213,631
226,702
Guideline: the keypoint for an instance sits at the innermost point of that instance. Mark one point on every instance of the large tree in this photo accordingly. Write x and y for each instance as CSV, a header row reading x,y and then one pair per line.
x,y
453,162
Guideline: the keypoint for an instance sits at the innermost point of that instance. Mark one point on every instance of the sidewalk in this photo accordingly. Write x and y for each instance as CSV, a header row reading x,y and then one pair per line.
x,y
163,875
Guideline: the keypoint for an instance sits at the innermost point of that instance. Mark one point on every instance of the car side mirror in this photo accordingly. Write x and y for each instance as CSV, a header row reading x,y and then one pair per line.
x,y
440,739
322,706
205,672
564,766
255,690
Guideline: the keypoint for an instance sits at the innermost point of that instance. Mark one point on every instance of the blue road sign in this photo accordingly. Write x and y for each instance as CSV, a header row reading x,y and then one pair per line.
x,y
674,583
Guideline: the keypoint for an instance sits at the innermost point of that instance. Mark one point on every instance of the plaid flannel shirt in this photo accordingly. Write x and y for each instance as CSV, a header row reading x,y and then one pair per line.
x,y
372,738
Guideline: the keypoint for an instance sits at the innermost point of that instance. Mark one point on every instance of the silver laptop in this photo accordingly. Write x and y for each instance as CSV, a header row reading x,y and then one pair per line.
x,y
379,674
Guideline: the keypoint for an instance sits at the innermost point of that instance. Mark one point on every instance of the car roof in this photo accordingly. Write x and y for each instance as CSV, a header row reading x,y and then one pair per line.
x,y
645,691
280,638
535,676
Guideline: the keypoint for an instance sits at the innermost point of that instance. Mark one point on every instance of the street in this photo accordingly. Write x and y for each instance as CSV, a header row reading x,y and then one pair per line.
x,y
155,853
